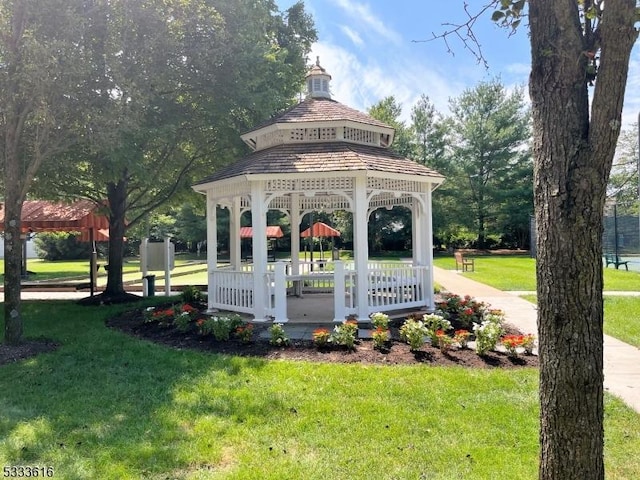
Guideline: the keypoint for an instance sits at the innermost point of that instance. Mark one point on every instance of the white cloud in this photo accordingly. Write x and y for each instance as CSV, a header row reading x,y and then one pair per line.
x,y
518,69
362,14
353,35
361,83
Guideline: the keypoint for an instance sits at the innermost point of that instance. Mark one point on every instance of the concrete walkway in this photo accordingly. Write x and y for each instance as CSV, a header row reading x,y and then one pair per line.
x,y
621,361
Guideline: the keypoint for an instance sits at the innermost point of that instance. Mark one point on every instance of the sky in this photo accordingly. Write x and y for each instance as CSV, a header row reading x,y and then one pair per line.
x,y
377,48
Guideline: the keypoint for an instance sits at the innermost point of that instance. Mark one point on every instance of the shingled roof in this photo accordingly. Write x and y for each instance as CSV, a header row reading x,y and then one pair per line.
x,y
322,110
321,157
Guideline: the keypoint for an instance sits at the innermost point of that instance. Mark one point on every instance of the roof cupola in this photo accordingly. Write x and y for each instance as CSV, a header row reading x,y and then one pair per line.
x,y
318,81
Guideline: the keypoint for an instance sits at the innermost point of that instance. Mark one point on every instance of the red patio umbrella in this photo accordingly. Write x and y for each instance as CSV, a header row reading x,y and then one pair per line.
x,y
272,232
320,229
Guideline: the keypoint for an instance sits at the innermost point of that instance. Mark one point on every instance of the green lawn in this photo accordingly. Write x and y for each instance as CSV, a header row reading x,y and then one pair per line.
x,y
621,317
517,272
109,406
64,269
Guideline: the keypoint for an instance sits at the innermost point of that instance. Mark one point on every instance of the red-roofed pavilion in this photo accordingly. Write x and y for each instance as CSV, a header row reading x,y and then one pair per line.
x,y
82,216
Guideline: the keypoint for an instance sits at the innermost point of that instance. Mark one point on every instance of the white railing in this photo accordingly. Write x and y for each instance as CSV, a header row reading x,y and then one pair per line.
x,y
391,286
397,287
231,290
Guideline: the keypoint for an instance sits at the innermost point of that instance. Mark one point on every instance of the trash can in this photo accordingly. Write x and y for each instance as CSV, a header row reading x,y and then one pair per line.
x,y
150,281
335,254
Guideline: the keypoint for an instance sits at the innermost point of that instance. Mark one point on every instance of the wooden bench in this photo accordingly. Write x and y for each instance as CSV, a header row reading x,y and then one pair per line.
x,y
465,264
613,259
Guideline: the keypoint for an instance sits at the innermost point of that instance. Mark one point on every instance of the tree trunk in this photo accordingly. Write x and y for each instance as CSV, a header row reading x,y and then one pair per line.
x,y
116,196
12,243
573,156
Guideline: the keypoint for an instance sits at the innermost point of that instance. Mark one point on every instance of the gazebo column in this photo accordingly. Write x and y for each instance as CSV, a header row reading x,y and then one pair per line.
x,y
423,242
259,225
417,233
361,246
294,218
428,234
234,234
212,246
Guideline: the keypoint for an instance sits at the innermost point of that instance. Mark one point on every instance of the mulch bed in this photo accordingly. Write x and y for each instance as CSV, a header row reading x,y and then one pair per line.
x,y
398,353
26,349
132,323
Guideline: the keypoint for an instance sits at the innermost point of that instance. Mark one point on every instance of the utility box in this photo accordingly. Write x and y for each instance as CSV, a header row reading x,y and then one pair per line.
x,y
157,255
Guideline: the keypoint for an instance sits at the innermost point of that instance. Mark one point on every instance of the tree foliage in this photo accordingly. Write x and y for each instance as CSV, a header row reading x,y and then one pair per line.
x,y
42,69
174,83
490,164
623,188
388,110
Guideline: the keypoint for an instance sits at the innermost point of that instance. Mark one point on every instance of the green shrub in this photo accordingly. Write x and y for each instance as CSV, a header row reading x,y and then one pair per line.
x,y
182,322
413,332
488,333
278,335
344,334
61,246
433,323
220,327
192,294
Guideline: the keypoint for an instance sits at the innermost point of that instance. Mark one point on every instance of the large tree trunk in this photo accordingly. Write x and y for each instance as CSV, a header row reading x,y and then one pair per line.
x,y
114,292
12,242
116,195
573,155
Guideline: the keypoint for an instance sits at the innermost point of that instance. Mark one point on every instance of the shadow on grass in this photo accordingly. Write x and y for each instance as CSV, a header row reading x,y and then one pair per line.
x,y
107,402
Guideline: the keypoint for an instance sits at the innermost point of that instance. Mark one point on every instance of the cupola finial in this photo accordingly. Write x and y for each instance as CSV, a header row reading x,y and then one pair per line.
x,y
318,81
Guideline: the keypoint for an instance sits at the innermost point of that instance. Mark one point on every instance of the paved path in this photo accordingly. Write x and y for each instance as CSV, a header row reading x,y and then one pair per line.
x,y
621,361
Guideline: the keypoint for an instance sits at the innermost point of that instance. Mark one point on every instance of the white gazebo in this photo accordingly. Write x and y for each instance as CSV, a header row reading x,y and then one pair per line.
x,y
320,156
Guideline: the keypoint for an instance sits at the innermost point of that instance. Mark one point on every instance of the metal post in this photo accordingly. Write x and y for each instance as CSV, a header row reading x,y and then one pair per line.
x,y
615,232
93,263
167,266
144,264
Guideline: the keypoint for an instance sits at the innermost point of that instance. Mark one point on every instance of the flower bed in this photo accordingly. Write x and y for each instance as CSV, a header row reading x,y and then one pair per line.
x,y
228,334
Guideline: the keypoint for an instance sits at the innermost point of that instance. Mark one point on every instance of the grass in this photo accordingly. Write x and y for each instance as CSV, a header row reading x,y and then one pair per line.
x,y
620,317
65,269
106,405
518,272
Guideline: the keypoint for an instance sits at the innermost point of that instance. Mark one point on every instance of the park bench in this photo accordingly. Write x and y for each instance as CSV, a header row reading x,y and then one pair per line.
x,y
613,259
464,264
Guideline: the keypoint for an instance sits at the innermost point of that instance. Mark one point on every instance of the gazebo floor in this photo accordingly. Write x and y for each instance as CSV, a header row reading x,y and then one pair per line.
x,y
317,308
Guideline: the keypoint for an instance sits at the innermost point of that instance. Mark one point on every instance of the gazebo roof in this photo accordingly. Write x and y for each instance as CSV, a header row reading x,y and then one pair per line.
x,y
322,157
317,112
323,110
